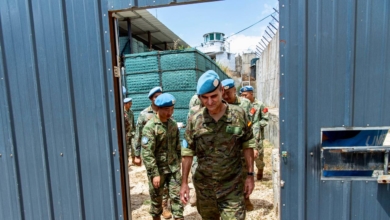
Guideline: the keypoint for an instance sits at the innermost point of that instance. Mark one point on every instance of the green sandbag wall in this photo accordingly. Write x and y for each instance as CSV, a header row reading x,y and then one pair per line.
x,y
176,71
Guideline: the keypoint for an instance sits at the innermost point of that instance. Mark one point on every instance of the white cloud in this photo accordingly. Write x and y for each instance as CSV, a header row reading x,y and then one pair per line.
x,y
240,43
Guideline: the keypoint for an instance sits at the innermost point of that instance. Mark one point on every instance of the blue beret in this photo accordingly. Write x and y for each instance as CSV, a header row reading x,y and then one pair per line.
x,y
126,100
165,100
154,90
246,89
227,83
207,82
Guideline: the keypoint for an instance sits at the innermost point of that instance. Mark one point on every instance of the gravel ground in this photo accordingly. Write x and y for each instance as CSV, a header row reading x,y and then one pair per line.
x,y
262,196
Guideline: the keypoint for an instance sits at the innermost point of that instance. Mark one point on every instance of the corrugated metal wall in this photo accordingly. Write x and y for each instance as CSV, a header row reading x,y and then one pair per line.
x,y
335,71
57,113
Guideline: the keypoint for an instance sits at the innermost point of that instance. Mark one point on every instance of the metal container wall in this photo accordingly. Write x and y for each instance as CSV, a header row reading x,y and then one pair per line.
x,y
58,138
335,62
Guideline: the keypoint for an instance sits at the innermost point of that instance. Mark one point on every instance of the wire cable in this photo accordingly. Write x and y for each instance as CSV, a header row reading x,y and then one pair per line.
x,y
252,25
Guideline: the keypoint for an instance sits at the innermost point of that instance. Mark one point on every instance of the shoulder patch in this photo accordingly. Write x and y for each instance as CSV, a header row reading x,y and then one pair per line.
x,y
253,111
145,140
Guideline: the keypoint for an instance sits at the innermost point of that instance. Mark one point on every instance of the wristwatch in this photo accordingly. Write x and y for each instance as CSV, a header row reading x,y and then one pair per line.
x,y
250,174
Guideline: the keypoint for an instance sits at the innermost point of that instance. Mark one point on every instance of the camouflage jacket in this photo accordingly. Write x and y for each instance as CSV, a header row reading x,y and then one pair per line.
x,y
218,145
247,106
161,149
129,124
194,101
260,119
143,117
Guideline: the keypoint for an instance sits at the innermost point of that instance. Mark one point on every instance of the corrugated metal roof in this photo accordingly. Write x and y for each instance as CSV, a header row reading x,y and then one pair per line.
x,y
143,22
335,61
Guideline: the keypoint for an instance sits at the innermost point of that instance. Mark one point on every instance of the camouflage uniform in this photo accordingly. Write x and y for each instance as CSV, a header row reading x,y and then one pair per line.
x,y
143,117
161,153
218,145
129,128
245,104
195,158
260,121
194,101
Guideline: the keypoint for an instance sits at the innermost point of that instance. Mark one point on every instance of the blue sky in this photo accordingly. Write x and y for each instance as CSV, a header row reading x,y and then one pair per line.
x,y
191,22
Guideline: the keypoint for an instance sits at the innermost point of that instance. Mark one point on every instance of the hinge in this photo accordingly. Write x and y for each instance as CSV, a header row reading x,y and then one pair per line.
x,y
117,72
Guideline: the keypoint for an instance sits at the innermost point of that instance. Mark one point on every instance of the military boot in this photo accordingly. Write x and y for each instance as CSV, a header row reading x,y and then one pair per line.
x,y
260,174
248,204
156,218
193,200
166,212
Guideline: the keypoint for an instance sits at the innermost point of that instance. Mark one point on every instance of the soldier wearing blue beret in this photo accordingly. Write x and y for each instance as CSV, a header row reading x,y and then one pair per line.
x,y
161,153
260,118
217,134
246,89
231,97
145,115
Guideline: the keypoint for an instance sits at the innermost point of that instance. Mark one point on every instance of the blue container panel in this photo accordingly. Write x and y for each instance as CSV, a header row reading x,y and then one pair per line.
x,y
142,83
178,61
140,102
180,115
182,98
179,80
142,63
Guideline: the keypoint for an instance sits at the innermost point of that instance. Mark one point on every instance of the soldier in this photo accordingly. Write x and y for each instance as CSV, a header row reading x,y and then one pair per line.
x,y
143,118
161,153
231,97
129,125
217,134
261,117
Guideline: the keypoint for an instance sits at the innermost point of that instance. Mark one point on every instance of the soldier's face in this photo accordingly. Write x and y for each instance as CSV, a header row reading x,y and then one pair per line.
x,y
212,100
230,95
154,96
128,105
165,113
248,95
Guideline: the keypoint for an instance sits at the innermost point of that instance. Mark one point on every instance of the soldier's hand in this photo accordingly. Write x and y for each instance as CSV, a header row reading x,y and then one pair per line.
x,y
255,153
249,185
156,182
137,161
184,193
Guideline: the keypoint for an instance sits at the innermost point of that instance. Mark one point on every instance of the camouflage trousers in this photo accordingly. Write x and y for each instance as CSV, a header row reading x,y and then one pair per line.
x,y
259,161
130,149
174,182
212,205
194,165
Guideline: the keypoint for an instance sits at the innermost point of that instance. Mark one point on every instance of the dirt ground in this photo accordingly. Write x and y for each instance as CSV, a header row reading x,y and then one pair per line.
x,y
262,196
